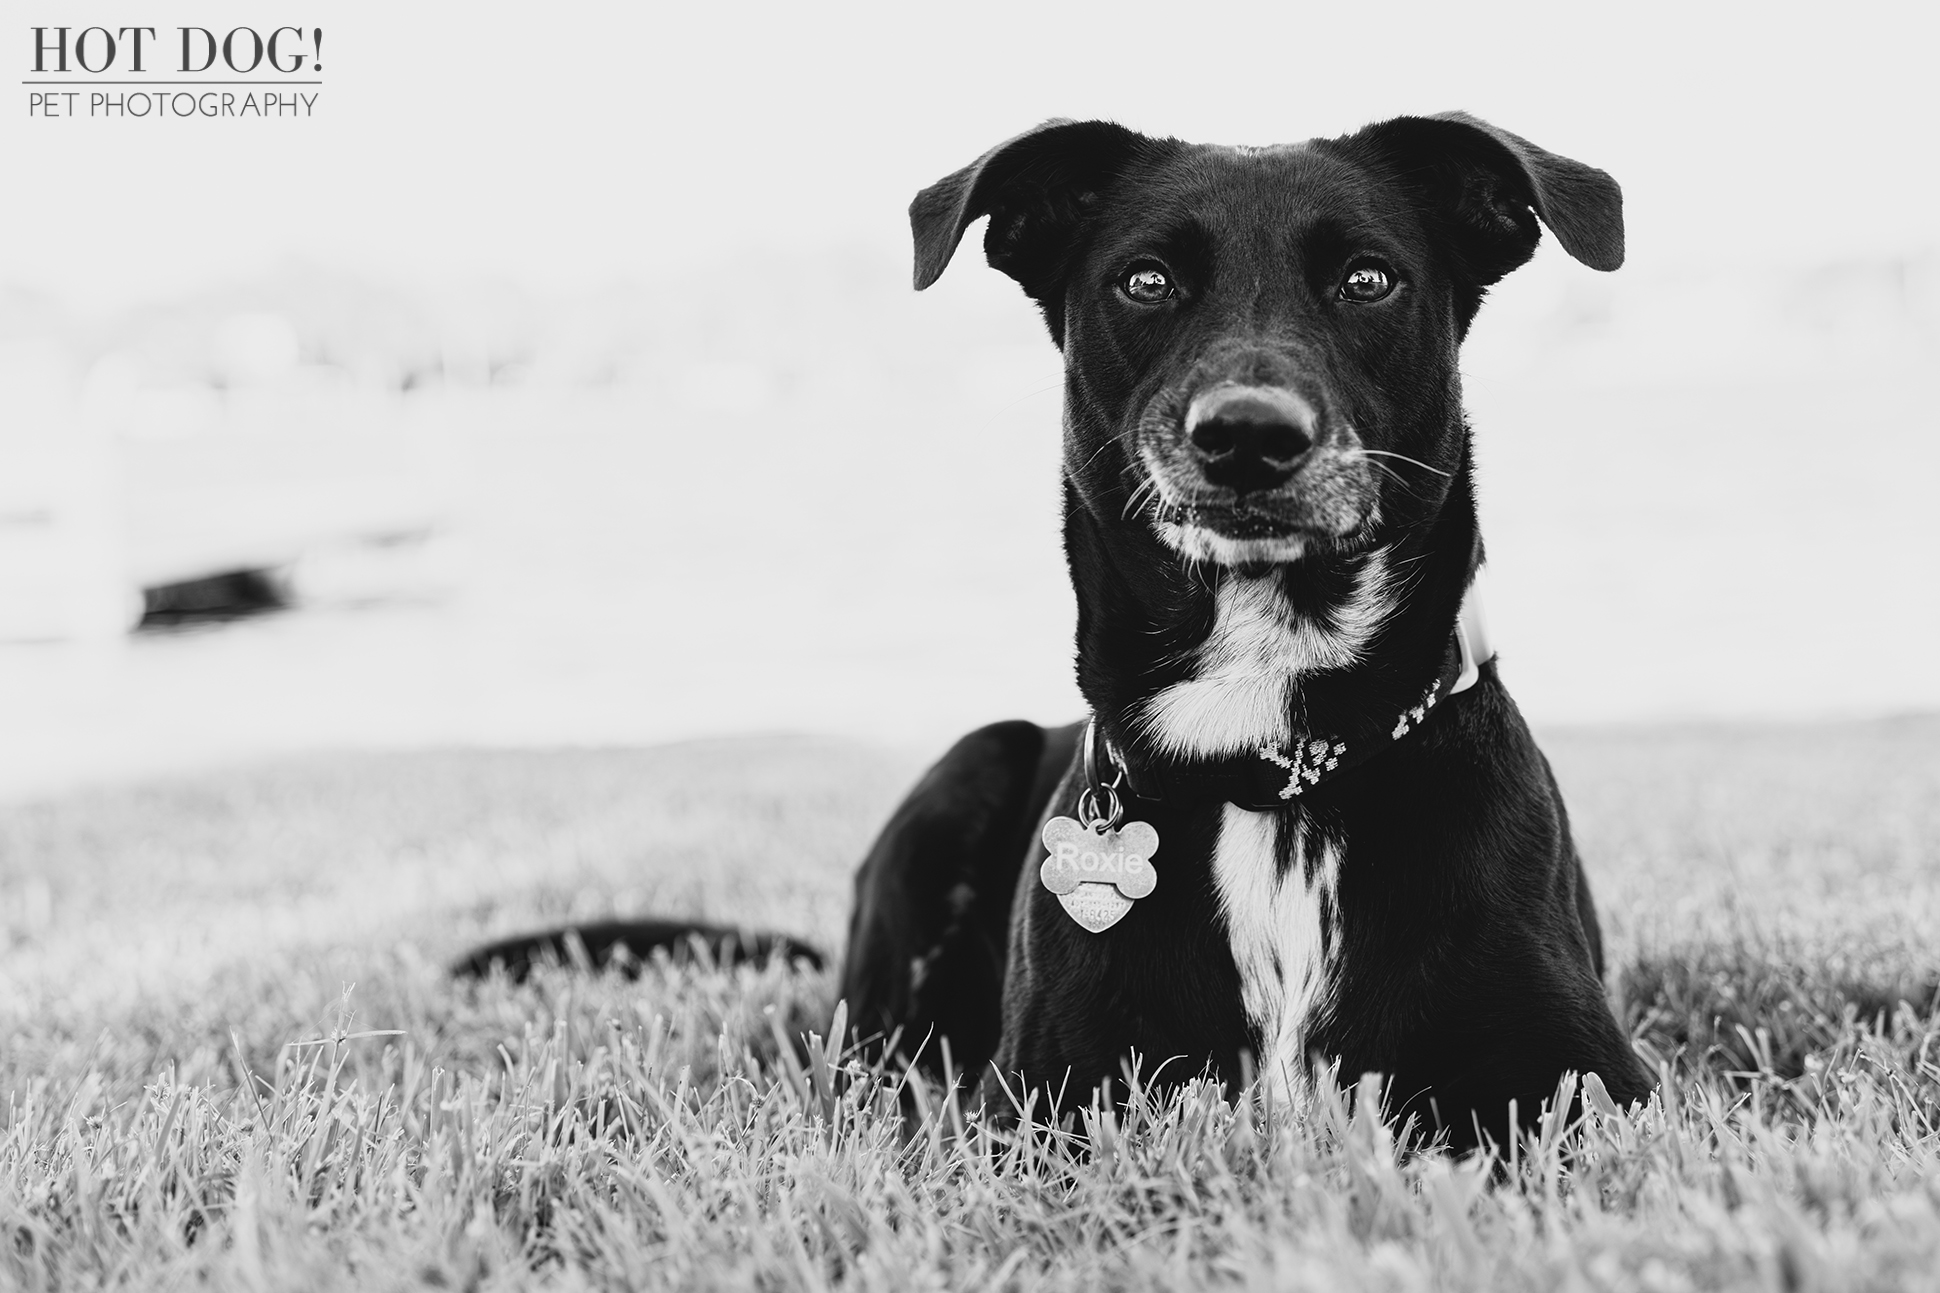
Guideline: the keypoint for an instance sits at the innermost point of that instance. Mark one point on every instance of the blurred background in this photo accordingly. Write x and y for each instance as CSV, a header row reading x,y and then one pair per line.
x,y
559,382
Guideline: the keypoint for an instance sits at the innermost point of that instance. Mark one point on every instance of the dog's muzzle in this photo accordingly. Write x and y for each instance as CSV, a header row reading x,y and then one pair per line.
x,y
1252,473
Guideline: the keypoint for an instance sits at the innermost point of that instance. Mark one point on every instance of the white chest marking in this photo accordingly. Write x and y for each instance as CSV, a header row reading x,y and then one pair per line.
x,y
1239,697
1285,935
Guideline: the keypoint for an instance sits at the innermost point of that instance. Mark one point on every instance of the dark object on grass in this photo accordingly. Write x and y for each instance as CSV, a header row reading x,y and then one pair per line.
x,y
629,945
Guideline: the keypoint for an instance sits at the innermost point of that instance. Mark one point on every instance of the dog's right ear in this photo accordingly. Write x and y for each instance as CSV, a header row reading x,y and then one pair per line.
x,y
1035,188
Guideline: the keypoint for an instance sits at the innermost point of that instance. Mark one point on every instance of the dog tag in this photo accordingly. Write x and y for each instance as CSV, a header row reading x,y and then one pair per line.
x,y
1097,874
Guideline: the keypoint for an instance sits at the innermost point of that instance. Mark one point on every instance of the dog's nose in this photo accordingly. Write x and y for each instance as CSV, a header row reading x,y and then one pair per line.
x,y
1250,438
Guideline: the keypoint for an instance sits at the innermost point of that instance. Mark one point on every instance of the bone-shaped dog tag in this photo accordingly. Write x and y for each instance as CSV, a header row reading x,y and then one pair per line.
x,y
1098,874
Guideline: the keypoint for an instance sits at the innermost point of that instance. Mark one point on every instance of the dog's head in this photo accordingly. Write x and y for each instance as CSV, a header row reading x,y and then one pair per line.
x,y
1261,343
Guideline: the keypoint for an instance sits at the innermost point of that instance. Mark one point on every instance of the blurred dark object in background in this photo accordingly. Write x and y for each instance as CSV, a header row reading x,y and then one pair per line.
x,y
213,598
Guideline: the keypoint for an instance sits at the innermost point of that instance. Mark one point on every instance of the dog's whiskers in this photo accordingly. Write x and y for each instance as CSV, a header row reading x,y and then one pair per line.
x,y
1398,478
1384,453
1095,454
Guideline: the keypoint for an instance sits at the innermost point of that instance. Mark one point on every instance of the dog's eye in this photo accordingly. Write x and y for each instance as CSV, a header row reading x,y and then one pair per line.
x,y
1366,281
1146,283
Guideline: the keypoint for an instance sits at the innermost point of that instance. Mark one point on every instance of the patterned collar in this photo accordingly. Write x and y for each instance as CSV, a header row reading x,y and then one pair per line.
x,y
1277,775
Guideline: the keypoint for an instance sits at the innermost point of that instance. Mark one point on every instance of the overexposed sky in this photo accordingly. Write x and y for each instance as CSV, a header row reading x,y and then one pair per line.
x,y
565,144
1662,507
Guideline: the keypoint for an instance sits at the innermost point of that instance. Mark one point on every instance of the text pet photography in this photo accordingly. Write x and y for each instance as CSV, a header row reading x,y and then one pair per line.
x,y
259,72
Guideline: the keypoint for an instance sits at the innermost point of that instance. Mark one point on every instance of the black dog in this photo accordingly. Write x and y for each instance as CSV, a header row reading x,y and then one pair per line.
x,y
1305,819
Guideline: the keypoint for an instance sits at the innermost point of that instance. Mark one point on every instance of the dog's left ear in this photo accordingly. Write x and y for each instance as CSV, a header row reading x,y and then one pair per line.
x,y
1036,189
1492,186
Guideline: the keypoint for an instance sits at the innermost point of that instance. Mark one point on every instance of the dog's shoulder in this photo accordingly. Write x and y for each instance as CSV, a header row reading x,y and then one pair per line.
x,y
933,895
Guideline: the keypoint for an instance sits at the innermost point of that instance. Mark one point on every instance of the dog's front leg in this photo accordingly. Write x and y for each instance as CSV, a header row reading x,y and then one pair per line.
x,y
1158,987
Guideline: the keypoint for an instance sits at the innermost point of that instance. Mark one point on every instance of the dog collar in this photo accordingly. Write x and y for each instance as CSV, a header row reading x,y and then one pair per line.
x,y
1278,775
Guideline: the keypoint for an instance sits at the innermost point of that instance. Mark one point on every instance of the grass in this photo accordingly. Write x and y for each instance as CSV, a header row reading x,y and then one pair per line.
x,y
229,1057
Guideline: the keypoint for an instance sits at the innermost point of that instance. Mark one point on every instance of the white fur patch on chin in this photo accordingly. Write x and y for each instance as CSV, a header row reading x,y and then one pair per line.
x,y
1285,936
1200,543
1238,698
